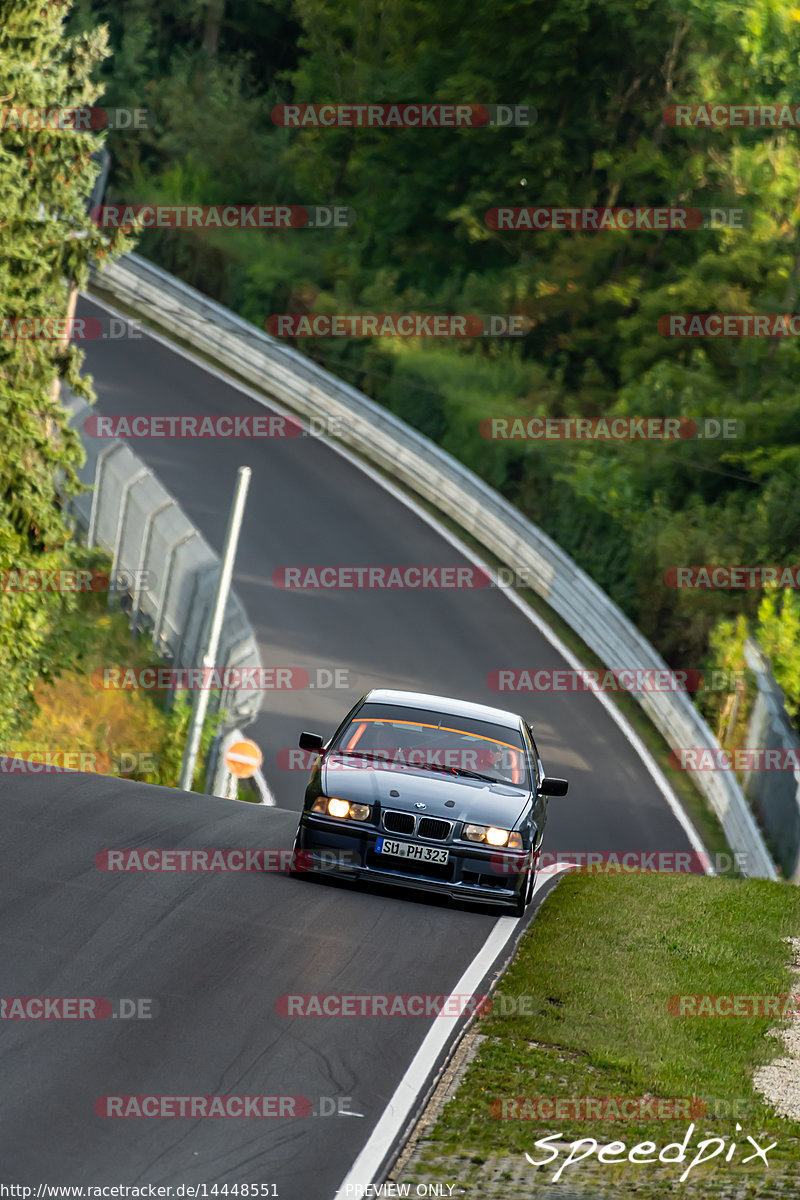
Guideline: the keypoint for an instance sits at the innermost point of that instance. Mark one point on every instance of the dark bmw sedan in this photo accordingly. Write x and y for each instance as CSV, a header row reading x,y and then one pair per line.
x,y
428,792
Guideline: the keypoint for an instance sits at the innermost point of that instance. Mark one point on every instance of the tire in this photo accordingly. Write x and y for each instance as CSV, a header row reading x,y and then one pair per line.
x,y
296,849
522,901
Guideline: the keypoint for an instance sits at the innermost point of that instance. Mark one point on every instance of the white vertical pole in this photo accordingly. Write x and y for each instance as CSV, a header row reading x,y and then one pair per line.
x,y
210,657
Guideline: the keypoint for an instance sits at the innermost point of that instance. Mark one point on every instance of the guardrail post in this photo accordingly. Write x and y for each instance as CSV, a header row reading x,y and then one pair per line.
x,y
129,484
98,472
171,552
230,664
178,657
138,589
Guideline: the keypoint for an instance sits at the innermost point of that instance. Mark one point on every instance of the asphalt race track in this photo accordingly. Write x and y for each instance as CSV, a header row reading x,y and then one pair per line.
x,y
309,505
216,950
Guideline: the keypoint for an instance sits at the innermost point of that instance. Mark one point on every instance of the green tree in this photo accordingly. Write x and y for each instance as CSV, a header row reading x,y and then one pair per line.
x,y
779,638
46,243
600,74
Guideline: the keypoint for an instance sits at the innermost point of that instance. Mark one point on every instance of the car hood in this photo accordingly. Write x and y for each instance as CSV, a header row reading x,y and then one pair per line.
x,y
474,800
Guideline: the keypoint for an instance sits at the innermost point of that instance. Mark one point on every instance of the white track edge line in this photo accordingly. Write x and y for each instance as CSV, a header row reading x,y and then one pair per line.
x,y
397,1111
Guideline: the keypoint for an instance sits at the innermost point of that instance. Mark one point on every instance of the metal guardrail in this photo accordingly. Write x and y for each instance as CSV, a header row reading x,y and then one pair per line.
x,y
165,566
308,390
775,794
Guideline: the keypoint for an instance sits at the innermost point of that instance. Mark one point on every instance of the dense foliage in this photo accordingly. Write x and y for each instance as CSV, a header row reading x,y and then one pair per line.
x,y
46,242
600,76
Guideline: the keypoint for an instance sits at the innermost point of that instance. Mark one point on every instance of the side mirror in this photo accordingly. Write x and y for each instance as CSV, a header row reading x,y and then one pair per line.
x,y
553,787
310,741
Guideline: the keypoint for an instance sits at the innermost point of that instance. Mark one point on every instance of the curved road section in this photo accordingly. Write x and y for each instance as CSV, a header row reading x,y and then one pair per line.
x,y
183,974
214,951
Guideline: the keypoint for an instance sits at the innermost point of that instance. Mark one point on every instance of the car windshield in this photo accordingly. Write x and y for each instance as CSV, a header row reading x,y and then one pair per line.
x,y
435,741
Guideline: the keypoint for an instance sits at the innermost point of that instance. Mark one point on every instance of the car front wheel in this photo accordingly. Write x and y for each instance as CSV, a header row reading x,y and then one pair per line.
x,y
526,895
295,851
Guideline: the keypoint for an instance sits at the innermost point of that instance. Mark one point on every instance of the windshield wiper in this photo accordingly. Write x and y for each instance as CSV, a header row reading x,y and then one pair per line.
x,y
397,762
460,771
478,775
362,754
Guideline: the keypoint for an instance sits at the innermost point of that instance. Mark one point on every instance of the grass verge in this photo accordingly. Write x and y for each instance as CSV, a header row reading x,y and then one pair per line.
x,y
127,733
584,1012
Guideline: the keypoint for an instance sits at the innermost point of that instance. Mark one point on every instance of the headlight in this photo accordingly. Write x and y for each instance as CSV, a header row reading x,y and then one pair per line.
x,y
334,807
490,835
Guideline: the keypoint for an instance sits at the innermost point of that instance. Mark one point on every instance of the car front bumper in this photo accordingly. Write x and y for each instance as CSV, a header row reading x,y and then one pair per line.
x,y
472,873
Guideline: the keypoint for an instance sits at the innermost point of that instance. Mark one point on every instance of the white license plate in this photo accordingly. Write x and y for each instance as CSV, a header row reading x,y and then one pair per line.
x,y
408,850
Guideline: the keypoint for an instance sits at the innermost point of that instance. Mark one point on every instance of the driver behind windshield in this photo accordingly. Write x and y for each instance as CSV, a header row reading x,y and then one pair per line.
x,y
428,745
